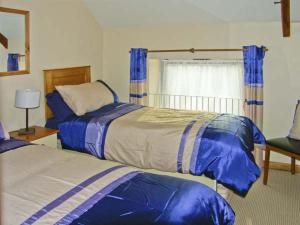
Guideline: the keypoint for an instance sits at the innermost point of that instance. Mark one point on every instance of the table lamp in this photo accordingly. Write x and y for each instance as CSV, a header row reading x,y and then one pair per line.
x,y
27,99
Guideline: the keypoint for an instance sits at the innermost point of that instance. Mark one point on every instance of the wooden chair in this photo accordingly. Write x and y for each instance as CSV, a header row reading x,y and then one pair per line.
x,y
286,146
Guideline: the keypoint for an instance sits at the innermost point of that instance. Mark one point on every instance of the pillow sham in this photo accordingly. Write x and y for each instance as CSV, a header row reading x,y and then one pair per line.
x,y
3,133
58,107
87,97
295,130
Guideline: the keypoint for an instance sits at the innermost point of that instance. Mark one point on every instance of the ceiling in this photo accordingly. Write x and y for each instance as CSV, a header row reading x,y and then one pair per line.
x,y
127,13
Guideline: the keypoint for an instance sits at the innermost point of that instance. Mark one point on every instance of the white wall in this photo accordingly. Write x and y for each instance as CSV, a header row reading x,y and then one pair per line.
x,y
63,34
282,70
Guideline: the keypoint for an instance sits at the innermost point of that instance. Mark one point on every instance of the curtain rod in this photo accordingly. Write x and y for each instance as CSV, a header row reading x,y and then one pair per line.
x,y
192,50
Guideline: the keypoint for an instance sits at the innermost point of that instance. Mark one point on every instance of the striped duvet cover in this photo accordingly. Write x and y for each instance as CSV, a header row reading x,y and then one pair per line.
x,y
216,145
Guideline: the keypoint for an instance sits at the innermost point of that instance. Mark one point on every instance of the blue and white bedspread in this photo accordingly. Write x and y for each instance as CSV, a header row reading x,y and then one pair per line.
x,y
41,185
216,145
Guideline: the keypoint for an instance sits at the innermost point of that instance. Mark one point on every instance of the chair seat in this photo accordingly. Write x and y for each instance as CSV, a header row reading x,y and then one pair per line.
x,y
287,144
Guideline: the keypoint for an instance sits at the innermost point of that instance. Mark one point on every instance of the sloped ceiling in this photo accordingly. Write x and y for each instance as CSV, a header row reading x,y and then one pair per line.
x,y
127,13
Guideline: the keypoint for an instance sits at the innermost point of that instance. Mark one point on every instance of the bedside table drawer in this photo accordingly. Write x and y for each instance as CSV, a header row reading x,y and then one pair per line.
x,y
50,141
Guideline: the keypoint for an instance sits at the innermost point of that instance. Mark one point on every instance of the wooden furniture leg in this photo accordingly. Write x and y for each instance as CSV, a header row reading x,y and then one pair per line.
x,y
293,165
266,165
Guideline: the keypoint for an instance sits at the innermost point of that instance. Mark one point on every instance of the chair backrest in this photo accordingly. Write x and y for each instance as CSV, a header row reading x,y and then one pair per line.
x,y
295,130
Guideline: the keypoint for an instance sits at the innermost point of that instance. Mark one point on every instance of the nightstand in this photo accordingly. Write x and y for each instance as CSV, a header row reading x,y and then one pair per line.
x,y
42,136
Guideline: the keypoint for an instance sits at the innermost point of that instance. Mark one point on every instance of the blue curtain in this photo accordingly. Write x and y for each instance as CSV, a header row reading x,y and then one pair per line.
x,y
138,76
253,65
254,83
13,62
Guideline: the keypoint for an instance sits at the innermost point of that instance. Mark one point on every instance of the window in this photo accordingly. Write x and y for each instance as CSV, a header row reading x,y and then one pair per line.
x,y
210,85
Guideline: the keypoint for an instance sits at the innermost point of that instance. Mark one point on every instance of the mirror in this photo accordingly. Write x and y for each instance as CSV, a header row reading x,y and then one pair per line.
x,y
14,42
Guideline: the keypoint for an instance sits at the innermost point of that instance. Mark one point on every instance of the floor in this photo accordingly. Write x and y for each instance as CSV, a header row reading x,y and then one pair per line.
x,y
278,203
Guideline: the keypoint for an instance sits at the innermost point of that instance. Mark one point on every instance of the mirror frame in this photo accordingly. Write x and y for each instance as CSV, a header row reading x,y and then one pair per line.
x,y
27,42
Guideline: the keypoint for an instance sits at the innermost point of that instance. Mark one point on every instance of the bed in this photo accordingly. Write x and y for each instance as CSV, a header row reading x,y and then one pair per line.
x,y
43,185
190,142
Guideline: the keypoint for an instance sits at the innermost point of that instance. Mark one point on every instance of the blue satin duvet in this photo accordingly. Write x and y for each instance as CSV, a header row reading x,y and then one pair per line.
x,y
154,199
106,193
221,147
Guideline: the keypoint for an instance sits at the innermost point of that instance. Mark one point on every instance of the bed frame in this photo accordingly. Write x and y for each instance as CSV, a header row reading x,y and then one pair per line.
x,y
64,76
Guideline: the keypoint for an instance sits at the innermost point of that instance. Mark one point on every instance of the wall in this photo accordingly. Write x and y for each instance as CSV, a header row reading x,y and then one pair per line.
x,y
117,43
63,34
282,71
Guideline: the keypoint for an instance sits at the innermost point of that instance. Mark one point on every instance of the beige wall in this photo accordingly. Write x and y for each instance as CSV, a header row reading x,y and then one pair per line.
x,y
63,34
282,70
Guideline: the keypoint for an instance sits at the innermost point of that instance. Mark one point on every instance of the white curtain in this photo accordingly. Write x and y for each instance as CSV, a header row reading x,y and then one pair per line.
x,y
208,78
219,83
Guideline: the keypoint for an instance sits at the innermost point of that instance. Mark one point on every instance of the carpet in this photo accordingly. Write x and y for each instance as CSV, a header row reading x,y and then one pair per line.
x,y
278,203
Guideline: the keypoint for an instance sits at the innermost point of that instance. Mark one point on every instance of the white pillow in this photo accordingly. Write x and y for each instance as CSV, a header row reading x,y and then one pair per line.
x,y
295,130
3,133
86,97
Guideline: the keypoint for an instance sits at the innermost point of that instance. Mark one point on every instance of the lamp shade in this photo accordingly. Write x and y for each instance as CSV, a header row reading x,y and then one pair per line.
x,y
27,99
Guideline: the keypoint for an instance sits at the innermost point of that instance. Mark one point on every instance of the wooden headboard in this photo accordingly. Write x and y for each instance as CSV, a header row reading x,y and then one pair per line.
x,y
65,76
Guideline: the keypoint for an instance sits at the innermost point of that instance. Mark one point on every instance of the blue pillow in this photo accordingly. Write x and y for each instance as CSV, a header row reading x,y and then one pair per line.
x,y
57,105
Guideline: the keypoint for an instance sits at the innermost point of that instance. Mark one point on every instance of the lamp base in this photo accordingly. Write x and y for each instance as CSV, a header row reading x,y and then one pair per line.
x,y
30,130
